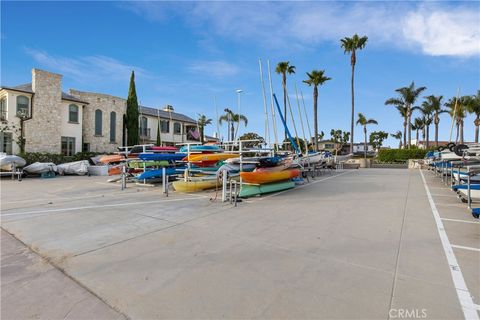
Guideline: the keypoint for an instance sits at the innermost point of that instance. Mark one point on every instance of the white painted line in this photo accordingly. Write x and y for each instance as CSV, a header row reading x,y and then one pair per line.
x,y
457,220
303,186
463,294
99,206
465,248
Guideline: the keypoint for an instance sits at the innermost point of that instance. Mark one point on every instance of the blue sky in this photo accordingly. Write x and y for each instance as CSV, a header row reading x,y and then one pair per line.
x,y
185,53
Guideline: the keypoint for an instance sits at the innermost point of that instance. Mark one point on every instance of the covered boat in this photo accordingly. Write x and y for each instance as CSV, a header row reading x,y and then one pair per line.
x,y
7,161
40,167
78,167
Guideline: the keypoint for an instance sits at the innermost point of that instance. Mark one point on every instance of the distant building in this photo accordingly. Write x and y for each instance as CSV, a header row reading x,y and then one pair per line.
x,y
358,149
422,144
67,123
327,145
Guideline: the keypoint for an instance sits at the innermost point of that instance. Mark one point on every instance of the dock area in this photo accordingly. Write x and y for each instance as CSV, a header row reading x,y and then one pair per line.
x,y
353,244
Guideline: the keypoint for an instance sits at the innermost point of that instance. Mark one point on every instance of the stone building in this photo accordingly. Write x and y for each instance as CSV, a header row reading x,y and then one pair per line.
x,y
67,123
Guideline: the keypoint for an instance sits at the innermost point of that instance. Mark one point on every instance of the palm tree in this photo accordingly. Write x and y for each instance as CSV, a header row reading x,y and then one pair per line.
x,y
202,122
364,122
473,107
458,112
397,135
418,125
231,119
283,68
404,114
434,104
351,45
407,97
316,78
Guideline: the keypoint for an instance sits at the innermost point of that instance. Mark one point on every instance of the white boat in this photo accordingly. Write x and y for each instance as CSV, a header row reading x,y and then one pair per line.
x,y
7,162
40,167
78,167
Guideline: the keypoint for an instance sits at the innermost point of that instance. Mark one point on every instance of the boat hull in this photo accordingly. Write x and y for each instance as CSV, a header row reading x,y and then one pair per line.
x,y
210,157
249,190
195,185
267,177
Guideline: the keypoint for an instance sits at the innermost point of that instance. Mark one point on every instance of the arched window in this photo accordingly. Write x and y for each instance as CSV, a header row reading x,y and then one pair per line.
x,y
177,128
143,126
73,113
22,106
113,125
98,122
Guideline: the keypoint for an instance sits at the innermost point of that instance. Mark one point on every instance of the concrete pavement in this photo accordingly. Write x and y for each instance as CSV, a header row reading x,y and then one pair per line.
x,y
363,244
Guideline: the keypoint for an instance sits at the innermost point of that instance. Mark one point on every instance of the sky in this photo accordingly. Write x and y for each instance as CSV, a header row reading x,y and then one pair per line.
x,y
191,54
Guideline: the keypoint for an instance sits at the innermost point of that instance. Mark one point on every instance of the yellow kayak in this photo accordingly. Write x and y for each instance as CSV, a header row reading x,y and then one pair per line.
x,y
195,185
211,157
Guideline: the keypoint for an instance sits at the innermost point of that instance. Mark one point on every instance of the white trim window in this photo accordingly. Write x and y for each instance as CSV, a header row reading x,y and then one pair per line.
x,y
73,113
68,146
23,106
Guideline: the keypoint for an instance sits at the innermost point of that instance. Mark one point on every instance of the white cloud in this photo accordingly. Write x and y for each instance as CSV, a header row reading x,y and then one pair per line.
x,y
434,28
86,69
218,68
441,32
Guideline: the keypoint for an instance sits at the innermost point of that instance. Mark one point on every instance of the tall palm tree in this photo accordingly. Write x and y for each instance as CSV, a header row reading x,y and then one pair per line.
x,y
397,135
203,121
407,97
362,120
473,106
283,68
351,45
231,118
316,78
458,112
434,104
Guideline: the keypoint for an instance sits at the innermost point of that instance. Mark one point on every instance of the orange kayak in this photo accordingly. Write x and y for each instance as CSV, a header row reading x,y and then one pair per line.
x,y
210,157
112,159
267,177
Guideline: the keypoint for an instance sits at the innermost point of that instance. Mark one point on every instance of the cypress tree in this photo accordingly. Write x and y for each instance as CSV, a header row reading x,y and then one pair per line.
x,y
159,140
132,114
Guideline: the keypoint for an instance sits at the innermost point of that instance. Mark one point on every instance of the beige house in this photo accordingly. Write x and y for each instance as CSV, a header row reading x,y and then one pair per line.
x,y
67,123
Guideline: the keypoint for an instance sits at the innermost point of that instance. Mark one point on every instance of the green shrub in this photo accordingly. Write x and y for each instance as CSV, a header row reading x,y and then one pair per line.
x,y
31,157
399,155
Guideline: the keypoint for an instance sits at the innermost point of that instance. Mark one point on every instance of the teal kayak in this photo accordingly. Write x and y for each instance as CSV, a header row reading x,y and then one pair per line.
x,y
250,190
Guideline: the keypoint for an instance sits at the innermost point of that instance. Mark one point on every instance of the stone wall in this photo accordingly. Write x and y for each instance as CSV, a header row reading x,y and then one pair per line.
x,y
42,132
107,104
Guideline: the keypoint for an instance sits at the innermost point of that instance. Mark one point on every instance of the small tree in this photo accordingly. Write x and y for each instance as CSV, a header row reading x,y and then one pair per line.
x,y
339,138
133,135
398,135
251,136
202,122
376,138
159,139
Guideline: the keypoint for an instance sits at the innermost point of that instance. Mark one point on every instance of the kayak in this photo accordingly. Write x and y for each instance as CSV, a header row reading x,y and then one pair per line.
x,y
198,148
157,173
266,177
282,165
249,190
162,156
138,164
210,157
196,185
111,159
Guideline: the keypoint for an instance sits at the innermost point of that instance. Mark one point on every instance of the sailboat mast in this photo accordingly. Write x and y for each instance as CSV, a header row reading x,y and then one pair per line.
x,y
267,131
306,115
274,122
216,116
301,119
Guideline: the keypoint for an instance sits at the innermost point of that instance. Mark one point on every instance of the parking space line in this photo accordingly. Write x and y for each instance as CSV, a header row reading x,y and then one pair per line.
x,y
98,206
463,294
465,248
457,220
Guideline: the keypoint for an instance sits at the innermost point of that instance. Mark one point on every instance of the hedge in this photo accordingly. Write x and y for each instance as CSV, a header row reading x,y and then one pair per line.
x,y
31,157
399,155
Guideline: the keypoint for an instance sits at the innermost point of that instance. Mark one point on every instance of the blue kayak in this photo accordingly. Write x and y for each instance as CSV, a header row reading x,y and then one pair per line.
x,y
162,156
465,187
157,173
201,149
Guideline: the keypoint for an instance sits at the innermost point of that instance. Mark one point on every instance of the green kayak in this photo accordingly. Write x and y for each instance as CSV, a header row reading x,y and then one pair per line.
x,y
250,190
138,164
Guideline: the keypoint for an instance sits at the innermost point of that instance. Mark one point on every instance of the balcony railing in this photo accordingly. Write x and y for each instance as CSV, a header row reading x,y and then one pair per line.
x,y
144,133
